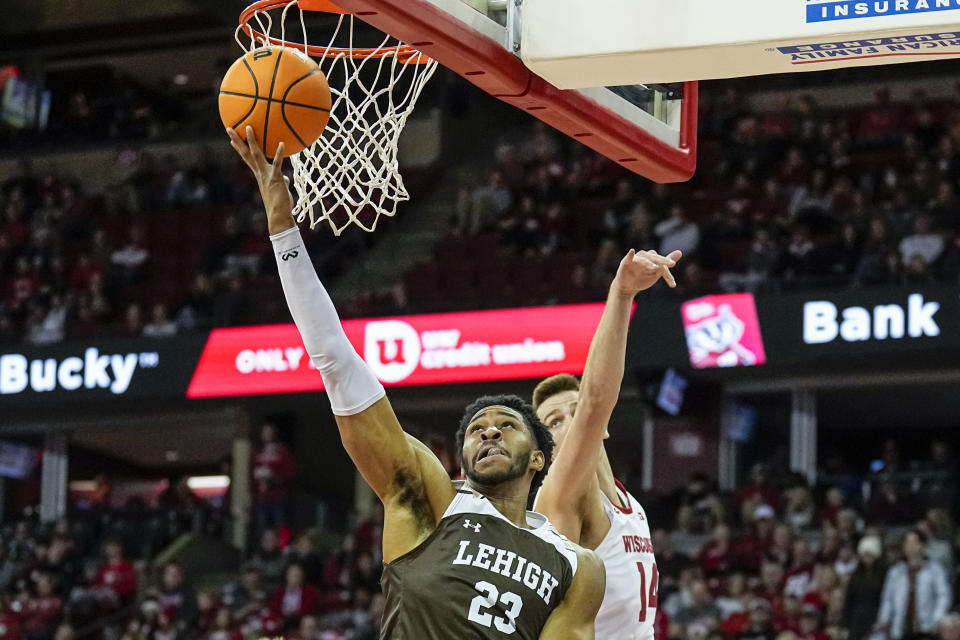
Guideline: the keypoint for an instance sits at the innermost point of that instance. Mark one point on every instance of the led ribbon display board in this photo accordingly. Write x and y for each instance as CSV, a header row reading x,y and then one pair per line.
x,y
98,370
450,348
853,326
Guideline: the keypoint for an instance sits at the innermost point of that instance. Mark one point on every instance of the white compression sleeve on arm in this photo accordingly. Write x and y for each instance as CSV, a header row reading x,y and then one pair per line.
x,y
351,386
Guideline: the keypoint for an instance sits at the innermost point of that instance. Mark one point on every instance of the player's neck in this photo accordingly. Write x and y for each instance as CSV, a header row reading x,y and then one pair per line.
x,y
509,498
608,484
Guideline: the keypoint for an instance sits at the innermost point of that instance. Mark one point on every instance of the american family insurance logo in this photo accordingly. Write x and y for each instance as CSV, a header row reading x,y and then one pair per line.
x,y
723,331
830,10
925,44
449,348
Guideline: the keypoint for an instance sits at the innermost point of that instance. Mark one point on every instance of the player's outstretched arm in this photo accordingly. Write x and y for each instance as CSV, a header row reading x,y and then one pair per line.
x,y
574,618
570,481
409,480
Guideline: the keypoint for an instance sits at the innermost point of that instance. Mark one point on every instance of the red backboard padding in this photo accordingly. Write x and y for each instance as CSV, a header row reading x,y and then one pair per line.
x,y
485,63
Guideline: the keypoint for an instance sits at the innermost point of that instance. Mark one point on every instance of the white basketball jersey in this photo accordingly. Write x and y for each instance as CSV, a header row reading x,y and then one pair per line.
x,y
630,599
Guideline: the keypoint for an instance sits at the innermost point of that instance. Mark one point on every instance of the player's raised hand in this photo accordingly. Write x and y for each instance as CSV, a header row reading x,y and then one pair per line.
x,y
274,186
640,270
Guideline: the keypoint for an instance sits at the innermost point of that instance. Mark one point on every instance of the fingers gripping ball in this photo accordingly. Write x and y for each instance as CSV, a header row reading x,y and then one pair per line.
x,y
281,93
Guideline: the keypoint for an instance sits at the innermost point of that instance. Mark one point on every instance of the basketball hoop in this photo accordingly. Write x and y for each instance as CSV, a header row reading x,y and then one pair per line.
x,y
351,174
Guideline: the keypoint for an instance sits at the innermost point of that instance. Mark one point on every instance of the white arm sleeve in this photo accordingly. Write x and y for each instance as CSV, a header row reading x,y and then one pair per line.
x,y
350,384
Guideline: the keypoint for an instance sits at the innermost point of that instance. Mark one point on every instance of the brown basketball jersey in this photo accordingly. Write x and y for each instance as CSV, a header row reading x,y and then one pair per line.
x,y
478,577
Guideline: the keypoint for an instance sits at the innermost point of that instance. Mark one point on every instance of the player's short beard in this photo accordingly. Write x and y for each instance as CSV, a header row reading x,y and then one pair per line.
x,y
516,470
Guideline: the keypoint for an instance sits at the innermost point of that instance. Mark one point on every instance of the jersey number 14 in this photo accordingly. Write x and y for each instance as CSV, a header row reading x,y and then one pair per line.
x,y
647,599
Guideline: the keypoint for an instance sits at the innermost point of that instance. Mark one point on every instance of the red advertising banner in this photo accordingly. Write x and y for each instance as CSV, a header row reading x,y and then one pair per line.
x,y
449,348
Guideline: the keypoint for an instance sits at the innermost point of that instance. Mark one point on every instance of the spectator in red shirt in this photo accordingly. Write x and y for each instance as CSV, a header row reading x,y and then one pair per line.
x,y
771,586
758,626
9,622
810,624
789,617
834,503
369,532
715,556
13,226
128,262
882,121
824,581
295,599
752,547
177,600
735,597
24,284
83,272
757,490
40,613
781,542
272,473
116,579
208,604
223,627
261,621
772,203
800,576
737,622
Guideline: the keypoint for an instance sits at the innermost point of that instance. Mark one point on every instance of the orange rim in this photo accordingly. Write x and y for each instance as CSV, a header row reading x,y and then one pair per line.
x,y
404,53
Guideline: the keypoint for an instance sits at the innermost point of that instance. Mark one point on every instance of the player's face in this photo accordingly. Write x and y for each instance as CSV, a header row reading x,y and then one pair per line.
x,y
498,447
557,413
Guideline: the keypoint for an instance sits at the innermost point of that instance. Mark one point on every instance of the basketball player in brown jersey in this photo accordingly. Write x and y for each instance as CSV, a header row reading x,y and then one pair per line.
x,y
460,561
581,495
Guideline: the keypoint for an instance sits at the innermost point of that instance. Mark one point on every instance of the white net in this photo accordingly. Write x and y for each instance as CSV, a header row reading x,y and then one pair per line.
x,y
351,174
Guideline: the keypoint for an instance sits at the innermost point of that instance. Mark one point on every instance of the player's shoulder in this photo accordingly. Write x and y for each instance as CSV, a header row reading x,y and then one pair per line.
x,y
583,557
586,558
590,570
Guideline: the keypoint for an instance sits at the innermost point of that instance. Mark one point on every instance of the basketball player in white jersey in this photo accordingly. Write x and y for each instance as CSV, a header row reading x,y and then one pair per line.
x,y
581,497
463,561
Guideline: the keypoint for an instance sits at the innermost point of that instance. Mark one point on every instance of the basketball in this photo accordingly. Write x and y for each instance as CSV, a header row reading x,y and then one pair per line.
x,y
281,93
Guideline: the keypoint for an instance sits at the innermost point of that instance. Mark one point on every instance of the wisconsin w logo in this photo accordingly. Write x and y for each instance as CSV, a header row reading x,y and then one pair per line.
x,y
289,254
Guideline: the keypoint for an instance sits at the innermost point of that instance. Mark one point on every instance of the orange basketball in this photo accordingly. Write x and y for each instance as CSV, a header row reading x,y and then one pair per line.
x,y
281,93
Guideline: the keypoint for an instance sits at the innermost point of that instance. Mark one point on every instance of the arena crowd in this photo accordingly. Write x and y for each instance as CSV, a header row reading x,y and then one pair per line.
x,y
856,554
788,196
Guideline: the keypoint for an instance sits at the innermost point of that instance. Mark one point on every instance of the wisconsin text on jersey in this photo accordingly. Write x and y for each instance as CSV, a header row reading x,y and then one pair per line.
x,y
508,564
637,544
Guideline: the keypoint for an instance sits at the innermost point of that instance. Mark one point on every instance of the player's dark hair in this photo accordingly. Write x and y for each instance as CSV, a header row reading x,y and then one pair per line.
x,y
552,386
540,432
